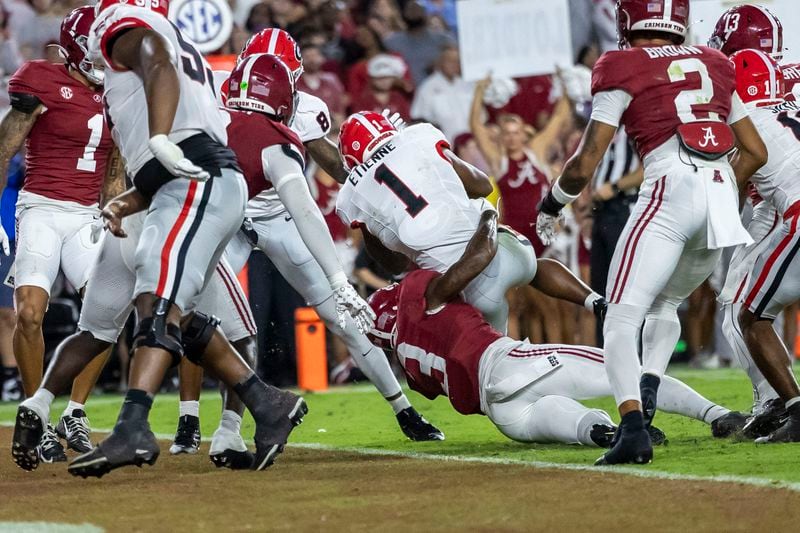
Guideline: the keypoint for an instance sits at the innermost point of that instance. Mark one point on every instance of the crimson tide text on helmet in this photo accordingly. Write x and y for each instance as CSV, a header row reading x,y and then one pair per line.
x,y
759,79
159,6
362,134
384,303
263,83
748,26
278,43
74,36
668,16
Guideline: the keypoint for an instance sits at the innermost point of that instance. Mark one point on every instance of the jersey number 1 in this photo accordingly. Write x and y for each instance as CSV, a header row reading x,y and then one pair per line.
x,y
414,203
87,162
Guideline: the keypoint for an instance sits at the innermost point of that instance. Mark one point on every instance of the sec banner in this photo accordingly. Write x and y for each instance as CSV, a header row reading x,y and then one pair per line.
x,y
208,23
511,38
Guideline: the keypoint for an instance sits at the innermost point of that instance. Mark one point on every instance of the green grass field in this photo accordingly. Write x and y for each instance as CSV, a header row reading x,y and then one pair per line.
x,y
356,417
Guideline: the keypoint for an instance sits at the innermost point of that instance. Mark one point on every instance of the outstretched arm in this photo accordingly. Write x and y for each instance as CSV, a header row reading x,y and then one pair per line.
x,y
480,251
325,153
114,180
126,204
475,181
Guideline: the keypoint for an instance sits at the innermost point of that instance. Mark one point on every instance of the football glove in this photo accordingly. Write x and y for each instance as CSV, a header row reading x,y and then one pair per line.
x,y
394,119
171,156
546,227
4,241
349,302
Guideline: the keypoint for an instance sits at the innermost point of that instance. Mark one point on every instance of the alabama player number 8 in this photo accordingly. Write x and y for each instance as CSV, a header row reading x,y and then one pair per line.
x,y
414,203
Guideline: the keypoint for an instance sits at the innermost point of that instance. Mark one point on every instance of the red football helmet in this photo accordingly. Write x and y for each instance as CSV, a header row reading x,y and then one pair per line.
x,y
278,43
74,35
669,16
758,77
384,303
748,26
159,6
263,83
361,134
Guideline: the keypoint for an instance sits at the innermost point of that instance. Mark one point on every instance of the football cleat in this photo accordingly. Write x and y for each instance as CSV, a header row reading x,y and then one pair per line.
x,y
632,446
771,417
600,308
273,432
416,428
50,448
657,437
228,450
728,425
788,432
187,436
74,429
131,443
603,435
28,431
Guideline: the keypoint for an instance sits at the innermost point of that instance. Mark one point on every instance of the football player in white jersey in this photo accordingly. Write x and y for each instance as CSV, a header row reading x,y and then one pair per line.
x,y
775,279
414,199
275,233
176,154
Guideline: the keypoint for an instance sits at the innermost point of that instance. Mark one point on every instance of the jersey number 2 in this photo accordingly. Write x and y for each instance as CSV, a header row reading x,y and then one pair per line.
x,y
691,97
414,203
87,162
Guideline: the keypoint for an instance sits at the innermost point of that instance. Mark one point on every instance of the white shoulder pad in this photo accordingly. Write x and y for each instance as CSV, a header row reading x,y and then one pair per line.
x,y
122,16
424,130
312,120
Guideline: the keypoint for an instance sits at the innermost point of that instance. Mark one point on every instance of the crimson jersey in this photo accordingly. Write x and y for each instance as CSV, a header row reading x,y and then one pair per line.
x,y
248,134
668,86
522,188
326,201
441,351
69,144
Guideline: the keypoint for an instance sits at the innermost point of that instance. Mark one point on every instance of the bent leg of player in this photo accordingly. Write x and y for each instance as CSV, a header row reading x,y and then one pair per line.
x,y
280,240
775,284
556,280
514,265
762,390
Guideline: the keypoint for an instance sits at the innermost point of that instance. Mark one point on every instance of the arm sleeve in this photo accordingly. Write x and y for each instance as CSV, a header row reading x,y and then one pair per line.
x,y
285,171
608,106
738,110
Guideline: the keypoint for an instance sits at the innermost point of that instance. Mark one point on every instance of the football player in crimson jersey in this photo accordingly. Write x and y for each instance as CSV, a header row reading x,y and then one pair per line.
x,y
57,111
275,232
679,105
775,279
528,391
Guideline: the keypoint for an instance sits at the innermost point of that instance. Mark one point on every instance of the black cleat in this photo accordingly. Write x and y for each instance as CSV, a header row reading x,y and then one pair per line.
x,y
633,446
657,437
728,425
28,432
767,421
74,428
233,459
50,448
272,432
416,428
131,443
603,435
788,432
187,436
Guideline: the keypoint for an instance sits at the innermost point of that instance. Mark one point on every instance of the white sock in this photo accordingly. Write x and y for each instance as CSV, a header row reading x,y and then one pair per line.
x,y
621,332
590,300
677,397
661,332
231,421
793,401
398,404
191,407
71,406
714,412
40,402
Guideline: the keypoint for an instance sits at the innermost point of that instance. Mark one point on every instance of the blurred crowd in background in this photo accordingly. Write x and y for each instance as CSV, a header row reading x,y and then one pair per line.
x,y
402,55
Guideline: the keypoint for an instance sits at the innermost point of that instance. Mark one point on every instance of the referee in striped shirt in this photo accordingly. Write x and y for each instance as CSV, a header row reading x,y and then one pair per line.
x,y
615,188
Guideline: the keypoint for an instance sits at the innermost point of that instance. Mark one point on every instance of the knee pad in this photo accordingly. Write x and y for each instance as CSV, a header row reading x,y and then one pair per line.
x,y
155,332
197,334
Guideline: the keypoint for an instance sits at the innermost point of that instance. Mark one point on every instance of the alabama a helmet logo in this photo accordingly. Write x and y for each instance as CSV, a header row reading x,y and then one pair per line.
x,y
710,139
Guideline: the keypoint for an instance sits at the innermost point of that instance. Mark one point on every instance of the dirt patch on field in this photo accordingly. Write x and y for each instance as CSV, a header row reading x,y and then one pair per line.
x,y
313,490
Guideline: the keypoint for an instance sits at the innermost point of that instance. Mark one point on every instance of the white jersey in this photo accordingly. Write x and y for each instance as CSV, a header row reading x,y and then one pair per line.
x,y
778,182
312,121
409,196
126,104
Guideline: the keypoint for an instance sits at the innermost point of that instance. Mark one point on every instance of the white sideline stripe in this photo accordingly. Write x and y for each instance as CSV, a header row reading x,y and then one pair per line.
x,y
48,527
642,471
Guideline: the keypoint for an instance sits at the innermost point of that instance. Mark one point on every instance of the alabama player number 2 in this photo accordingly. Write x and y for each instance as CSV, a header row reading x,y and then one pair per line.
x,y
414,203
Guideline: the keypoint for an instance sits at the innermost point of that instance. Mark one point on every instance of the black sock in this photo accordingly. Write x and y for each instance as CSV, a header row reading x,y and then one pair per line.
x,y
136,406
633,421
794,410
256,395
9,372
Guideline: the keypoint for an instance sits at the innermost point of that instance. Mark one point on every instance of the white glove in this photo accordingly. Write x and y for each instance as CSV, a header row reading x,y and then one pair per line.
x,y
96,229
171,156
4,242
546,227
348,301
394,119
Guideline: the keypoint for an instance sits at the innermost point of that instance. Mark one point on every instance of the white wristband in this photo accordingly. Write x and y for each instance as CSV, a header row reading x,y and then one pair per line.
x,y
561,196
338,280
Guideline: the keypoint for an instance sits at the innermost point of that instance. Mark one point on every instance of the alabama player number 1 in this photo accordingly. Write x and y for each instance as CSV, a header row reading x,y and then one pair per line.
x,y
414,203
87,163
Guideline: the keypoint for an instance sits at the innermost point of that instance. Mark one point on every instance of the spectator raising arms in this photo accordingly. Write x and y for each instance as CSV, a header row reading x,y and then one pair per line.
x,y
444,98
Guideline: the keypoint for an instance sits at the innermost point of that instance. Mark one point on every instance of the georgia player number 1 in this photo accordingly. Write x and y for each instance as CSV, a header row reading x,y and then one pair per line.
x,y
414,203
87,163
